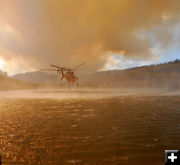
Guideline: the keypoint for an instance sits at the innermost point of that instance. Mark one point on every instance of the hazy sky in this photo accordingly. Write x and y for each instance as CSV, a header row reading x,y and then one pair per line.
x,y
106,34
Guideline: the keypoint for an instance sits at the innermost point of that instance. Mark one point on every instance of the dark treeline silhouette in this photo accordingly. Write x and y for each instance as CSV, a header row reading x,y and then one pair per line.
x,y
165,75
7,83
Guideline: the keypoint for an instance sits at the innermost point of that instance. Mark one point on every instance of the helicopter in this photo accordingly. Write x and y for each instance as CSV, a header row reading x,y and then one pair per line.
x,y
66,73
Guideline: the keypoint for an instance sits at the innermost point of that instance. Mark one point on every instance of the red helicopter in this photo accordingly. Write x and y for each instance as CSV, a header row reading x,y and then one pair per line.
x,y
67,73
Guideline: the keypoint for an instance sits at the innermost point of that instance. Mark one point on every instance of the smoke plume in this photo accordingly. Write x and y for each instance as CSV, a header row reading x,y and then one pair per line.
x,y
36,33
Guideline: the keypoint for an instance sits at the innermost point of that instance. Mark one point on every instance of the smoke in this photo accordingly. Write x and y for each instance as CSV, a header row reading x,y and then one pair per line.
x,y
34,34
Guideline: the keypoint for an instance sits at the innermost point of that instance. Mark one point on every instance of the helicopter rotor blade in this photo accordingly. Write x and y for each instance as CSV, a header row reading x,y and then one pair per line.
x,y
59,67
78,69
55,66
79,65
49,69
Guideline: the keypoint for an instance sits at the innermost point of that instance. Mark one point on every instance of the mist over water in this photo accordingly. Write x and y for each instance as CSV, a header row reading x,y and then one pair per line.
x,y
84,93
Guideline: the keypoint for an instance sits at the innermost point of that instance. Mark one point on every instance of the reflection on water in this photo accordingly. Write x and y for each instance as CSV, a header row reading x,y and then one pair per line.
x,y
125,130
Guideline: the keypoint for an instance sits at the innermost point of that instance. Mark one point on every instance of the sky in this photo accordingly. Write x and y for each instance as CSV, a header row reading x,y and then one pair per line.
x,y
106,35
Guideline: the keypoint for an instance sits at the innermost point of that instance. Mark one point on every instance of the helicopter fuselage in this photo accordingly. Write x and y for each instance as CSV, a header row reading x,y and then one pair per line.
x,y
70,77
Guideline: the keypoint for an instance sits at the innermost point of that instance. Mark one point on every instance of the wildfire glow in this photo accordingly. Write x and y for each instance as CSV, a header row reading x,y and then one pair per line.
x,y
1,63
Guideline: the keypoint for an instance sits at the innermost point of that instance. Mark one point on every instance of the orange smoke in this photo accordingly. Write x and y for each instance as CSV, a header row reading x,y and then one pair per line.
x,y
69,32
